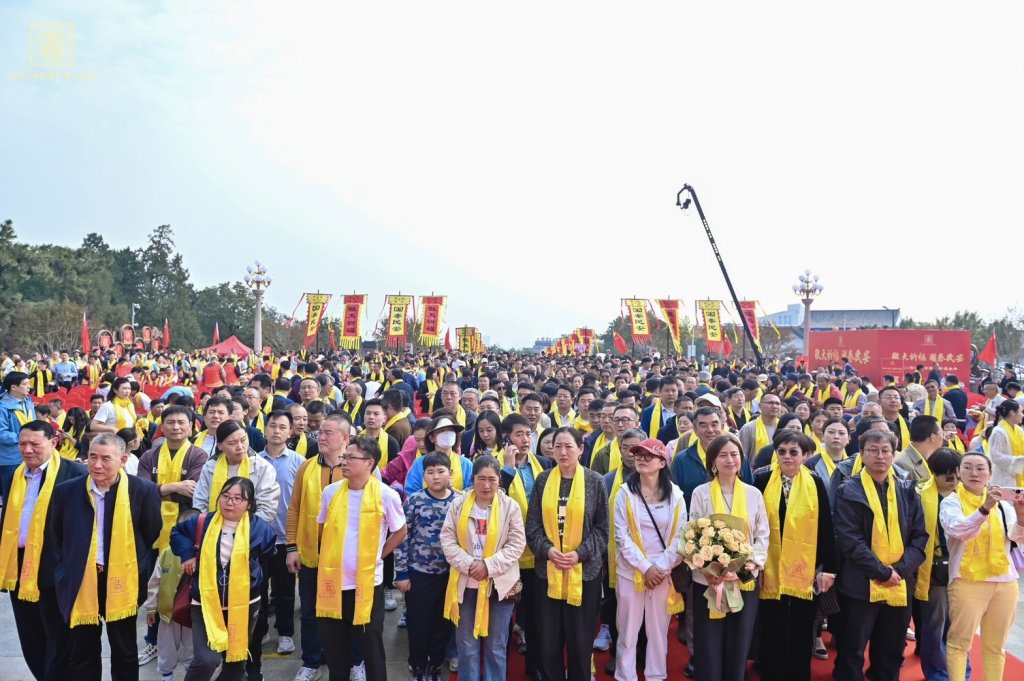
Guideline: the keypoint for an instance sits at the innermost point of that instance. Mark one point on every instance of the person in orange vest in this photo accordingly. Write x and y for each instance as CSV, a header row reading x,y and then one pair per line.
x,y
231,372
214,374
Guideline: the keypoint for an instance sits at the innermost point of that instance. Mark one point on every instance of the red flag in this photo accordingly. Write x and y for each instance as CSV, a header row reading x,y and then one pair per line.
x,y
216,333
167,334
727,345
989,352
620,344
86,345
447,339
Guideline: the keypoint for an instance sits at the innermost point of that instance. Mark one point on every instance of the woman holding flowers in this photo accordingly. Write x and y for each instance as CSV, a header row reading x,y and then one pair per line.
x,y
648,514
802,559
722,639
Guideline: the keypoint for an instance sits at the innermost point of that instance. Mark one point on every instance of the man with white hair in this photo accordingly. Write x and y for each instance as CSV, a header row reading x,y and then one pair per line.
x,y
704,382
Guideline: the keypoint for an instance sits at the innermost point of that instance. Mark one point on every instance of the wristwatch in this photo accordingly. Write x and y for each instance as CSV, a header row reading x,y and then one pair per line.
x,y
982,510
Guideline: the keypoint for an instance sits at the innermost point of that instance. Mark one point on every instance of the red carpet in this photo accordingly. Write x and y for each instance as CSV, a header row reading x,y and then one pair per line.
x,y
820,669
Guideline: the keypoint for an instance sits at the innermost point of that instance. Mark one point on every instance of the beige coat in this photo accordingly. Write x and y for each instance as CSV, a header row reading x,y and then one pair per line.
x,y
503,566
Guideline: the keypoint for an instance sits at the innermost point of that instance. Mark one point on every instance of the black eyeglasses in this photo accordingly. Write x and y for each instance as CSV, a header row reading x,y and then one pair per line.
x,y
645,456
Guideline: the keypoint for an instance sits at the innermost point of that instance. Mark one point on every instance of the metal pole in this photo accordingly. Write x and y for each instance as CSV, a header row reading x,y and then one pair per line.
x,y
732,292
807,327
258,334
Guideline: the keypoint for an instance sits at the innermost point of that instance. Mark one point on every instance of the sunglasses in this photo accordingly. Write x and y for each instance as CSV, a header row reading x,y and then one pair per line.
x,y
645,456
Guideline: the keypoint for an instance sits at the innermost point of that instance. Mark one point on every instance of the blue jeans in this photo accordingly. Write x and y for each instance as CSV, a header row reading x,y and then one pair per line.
x,y
495,645
312,649
931,635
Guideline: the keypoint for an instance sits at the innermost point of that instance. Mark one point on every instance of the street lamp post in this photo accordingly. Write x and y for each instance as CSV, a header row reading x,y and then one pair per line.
x,y
808,289
257,279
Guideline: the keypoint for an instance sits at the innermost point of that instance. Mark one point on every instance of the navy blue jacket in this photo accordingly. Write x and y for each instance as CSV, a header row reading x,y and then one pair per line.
x,y
261,543
69,470
853,523
666,431
70,532
689,473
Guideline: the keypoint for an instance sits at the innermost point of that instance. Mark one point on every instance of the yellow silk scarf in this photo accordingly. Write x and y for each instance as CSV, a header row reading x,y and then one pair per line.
x,y
655,420
930,505
615,455
122,569
936,408
352,409
517,490
761,438
382,442
565,585
850,400
125,412
404,414
458,484
332,551
481,621
230,637
302,444
220,476
886,539
581,425
984,555
307,533
168,471
460,416
1016,437
613,577
28,588
739,510
675,600
904,431
556,418
792,555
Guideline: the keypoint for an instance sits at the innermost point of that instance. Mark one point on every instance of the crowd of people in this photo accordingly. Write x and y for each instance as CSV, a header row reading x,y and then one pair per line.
x,y
521,505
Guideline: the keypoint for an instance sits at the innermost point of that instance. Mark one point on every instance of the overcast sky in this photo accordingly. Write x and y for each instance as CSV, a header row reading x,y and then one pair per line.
x,y
524,158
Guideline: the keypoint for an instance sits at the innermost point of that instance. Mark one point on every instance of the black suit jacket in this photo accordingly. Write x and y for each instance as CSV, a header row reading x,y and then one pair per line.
x,y
69,470
827,558
70,533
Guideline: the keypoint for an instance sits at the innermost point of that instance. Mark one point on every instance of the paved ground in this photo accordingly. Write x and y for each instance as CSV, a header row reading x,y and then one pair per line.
x,y
12,665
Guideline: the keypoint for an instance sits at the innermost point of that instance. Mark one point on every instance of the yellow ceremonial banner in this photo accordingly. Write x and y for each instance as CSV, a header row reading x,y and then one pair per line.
x,y
464,334
712,323
641,327
397,319
430,328
352,321
316,304
671,310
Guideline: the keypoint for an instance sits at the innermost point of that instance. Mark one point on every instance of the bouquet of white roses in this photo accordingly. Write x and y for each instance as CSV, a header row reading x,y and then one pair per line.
x,y
718,548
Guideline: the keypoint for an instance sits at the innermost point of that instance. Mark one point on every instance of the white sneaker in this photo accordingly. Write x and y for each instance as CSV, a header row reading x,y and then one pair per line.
x,y
358,673
285,645
389,600
911,636
604,639
147,654
307,674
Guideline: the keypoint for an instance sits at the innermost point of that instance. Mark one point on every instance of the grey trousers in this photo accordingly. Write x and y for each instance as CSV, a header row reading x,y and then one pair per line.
x,y
205,661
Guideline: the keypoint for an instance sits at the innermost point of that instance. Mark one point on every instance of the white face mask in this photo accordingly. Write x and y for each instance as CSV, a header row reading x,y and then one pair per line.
x,y
446,440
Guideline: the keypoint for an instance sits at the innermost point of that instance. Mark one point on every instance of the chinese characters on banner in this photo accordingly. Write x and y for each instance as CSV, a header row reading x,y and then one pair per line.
x,y
878,352
398,311
316,304
712,324
430,330
641,327
466,336
671,310
749,310
352,321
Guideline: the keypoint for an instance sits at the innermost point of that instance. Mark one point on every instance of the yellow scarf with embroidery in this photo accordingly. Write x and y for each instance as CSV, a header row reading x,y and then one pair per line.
x,y
220,476
565,585
655,420
675,600
307,533
517,491
122,568
168,471
332,551
230,637
886,539
739,510
613,577
984,555
481,621
28,589
930,505
792,554
125,412
1016,437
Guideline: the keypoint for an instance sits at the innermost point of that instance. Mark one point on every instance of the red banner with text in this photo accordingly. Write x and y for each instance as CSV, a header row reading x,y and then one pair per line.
x,y
895,352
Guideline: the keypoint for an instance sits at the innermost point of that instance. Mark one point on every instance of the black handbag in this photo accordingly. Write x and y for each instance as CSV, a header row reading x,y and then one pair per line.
x,y
681,576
